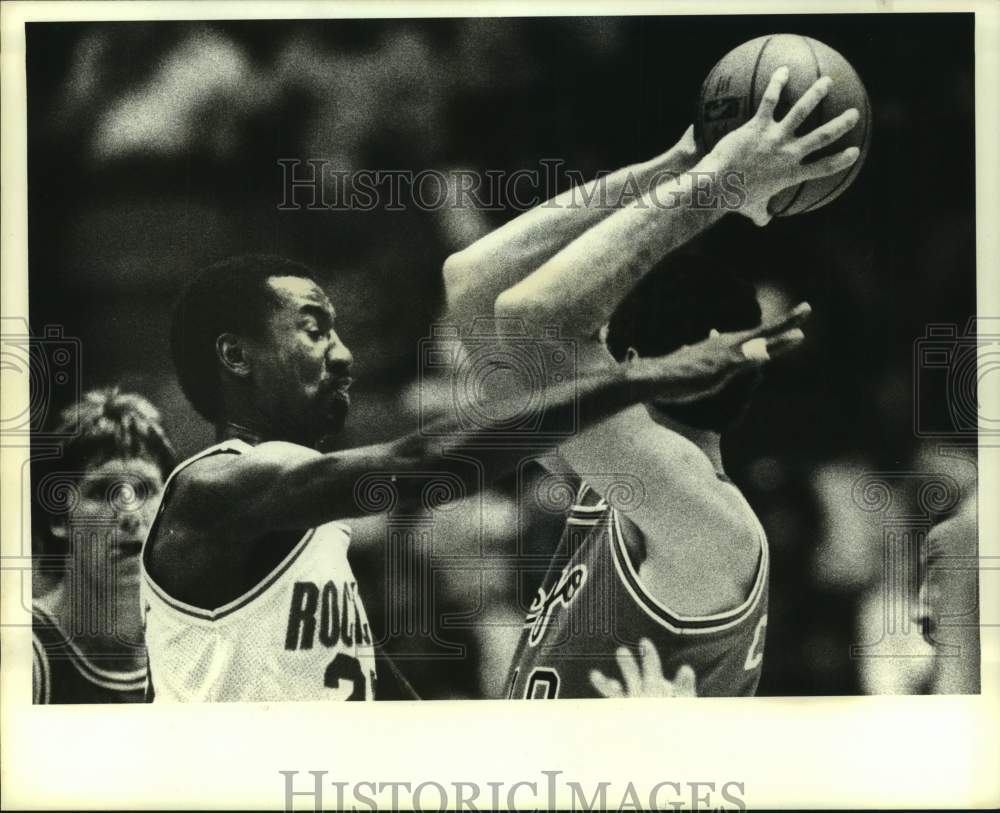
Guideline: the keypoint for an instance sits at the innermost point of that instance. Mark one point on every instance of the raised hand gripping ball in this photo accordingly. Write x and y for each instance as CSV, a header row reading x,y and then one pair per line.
x,y
732,91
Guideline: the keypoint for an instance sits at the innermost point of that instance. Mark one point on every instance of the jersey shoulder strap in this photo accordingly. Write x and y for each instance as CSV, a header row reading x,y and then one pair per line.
x,y
229,446
50,643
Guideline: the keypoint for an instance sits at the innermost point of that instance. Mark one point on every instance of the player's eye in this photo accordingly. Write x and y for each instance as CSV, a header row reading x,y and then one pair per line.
x,y
93,491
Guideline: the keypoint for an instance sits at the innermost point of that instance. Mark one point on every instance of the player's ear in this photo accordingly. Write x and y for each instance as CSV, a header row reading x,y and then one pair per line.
x,y
631,355
232,352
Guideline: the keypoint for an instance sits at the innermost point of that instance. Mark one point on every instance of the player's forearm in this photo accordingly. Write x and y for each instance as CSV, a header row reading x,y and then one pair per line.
x,y
336,485
475,276
579,288
579,404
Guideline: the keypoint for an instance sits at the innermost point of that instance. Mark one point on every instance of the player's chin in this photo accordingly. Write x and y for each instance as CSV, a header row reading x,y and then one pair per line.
x,y
125,561
335,411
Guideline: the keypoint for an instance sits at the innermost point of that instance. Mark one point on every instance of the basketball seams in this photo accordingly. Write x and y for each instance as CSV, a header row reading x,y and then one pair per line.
x,y
699,126
849,176
754,98
854,170
818,113
794,48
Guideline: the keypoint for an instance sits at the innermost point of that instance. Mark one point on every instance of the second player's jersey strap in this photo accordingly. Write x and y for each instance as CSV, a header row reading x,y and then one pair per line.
x,y
674,622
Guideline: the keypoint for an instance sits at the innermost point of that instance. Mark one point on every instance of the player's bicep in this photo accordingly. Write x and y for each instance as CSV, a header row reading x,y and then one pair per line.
x,y
275,486
227,490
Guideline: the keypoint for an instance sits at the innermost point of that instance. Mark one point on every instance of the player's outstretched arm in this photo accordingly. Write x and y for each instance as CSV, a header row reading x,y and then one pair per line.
x,y
580,287
643,676
282,486
476,275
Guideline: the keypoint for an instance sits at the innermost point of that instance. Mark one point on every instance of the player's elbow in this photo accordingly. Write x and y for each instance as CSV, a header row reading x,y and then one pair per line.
x,y
517,304
534,311
455,272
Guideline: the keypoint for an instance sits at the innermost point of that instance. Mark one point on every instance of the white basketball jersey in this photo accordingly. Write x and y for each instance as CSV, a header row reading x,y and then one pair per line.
x,y
300,634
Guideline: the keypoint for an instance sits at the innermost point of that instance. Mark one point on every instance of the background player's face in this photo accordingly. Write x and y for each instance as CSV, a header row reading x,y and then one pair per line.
x,y
115,506
301,370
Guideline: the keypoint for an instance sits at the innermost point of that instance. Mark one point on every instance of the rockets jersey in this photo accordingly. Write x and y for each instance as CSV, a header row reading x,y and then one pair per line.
x,y
300,634
61,673
592,602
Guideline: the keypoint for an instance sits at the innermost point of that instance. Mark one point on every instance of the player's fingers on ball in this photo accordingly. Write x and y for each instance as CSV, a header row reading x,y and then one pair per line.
x,y
783,342
772,94
757,212
629,670
792,318
805,104
652,668
788,320
608,687
688,139
830,165
829,132
684,682
755,351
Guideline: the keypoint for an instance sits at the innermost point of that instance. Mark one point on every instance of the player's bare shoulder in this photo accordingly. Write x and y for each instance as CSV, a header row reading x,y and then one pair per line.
x,y
200,492
710,562
216,504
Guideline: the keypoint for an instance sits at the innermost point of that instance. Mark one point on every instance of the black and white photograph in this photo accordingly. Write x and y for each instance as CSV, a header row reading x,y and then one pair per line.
x,y
635,358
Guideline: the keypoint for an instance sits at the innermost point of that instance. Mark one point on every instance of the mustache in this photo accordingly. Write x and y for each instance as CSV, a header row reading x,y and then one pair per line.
x,y
337,382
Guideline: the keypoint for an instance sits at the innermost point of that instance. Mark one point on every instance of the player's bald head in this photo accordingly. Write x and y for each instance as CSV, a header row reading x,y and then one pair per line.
x,y
236,295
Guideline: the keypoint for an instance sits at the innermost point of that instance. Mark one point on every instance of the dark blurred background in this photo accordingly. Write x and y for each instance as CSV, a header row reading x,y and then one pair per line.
x,y
153,150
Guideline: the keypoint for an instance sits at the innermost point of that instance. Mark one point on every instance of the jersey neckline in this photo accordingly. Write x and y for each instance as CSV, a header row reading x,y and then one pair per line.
x,y
121,680
231,446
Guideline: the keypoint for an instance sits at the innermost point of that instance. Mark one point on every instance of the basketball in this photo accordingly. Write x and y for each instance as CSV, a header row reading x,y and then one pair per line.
x,y
732,92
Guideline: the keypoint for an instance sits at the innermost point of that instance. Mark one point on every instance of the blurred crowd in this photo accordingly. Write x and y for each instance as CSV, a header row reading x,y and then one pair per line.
x,y
154,149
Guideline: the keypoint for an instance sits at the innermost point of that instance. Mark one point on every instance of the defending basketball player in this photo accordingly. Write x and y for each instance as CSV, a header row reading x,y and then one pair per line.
x,y
248,591
687,566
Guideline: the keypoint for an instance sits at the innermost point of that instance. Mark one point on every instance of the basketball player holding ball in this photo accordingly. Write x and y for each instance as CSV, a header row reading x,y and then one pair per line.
x,y
681,575
247,589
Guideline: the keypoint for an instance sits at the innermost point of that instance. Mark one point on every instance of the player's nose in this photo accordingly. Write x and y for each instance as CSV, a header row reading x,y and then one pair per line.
x,y
338,355
130,523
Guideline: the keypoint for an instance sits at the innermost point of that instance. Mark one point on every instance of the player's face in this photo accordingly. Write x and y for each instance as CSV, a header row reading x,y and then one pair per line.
x,y
114,508
302,369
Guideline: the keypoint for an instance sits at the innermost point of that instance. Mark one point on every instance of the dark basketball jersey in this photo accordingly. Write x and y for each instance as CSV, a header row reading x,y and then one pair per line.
x,y
592,602
61,673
